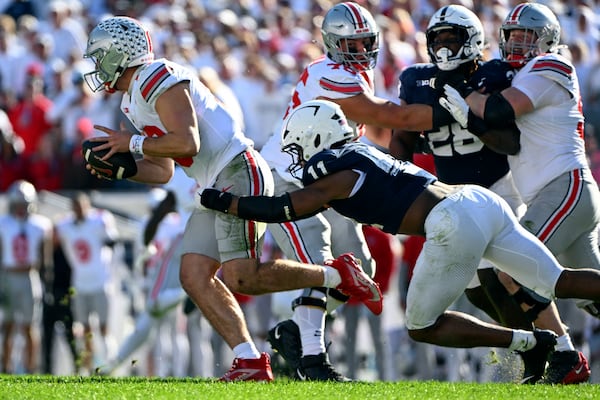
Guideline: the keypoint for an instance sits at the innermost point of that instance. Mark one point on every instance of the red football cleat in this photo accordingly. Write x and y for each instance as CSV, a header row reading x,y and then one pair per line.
x,y
249,369
567,368
356,283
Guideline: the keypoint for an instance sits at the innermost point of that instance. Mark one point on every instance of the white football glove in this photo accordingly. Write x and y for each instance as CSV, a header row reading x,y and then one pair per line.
x,y
456,105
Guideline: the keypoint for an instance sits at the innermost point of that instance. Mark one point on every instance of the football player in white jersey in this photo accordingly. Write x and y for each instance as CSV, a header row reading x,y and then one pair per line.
x,y
179,120
344,75
87,235
550,171
26,246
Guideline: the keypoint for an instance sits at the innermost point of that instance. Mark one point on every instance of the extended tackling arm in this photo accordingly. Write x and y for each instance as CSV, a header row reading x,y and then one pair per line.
x,y
259,208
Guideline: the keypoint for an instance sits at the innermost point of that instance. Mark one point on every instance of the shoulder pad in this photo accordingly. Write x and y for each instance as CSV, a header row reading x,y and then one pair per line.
x,y
554,67
156,78
415,76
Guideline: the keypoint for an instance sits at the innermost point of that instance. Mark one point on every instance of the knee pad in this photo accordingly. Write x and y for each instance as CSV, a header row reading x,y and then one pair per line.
x,y
478,297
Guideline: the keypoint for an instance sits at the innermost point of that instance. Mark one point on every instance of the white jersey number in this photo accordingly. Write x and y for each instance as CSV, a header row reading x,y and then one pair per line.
x,y
450,140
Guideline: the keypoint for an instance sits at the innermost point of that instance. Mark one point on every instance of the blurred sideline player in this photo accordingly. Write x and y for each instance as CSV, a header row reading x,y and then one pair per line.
x,y
87,236
26,246
57,309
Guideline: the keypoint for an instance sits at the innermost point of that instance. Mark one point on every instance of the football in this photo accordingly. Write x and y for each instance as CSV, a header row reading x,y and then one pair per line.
x,y
119,166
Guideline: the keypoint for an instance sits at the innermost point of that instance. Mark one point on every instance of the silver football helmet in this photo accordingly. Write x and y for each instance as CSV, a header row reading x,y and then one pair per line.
x,y
22,198
530,17
346,21
114,45
467,27
314,126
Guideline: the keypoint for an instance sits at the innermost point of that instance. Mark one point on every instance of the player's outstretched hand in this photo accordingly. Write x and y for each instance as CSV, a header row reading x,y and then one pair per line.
x,y
216,199
456,105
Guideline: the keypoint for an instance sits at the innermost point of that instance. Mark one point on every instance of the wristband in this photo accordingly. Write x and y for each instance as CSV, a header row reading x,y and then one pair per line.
x,y
135,144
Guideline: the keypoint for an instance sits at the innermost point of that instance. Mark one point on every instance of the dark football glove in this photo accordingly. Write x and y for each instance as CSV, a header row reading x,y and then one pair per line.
x,y
492,76
453,78
216,199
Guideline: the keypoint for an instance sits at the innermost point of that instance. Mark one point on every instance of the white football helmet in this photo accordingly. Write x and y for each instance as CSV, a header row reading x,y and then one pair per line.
x,y
529,17
314,126
22,198
468,28
114,45
345,21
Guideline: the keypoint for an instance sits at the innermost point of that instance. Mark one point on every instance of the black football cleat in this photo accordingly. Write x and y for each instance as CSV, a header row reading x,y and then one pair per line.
x,y
285,340
535,360
318,368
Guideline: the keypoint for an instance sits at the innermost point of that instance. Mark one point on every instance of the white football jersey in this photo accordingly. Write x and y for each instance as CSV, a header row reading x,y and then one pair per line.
x,y
23,239
84,244
221,137
321,78
552,135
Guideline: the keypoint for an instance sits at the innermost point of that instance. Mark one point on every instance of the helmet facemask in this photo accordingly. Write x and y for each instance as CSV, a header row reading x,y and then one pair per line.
x,y
444,57
295,151
518,52
109,67
344,52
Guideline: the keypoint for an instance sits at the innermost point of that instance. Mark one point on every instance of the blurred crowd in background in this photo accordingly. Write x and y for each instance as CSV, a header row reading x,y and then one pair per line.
x,y
250,53
251,50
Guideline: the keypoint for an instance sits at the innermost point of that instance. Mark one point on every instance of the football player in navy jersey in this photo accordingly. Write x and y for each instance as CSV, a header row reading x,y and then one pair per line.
x,y
455,42
461,223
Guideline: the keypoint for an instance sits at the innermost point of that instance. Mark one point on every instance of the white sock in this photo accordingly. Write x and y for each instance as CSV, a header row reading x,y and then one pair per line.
x,y
311,322
522,340
564,343
246,350
331,277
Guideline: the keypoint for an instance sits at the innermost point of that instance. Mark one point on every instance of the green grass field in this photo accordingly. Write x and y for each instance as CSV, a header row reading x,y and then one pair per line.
x,y
101,388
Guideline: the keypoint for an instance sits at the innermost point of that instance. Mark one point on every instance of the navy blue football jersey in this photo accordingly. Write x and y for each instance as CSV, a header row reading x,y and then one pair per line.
x,y
385,190
459,156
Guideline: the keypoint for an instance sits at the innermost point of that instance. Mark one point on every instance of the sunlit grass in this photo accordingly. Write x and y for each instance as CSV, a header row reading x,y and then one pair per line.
x,y
52,387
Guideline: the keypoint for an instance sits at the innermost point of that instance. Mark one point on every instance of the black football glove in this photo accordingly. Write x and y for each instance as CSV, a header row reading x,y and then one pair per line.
x,y
216,199
492,76
453,78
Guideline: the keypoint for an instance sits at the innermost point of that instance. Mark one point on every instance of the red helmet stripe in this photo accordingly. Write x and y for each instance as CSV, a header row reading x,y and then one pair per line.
x,y
514,15
358,20
149,40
